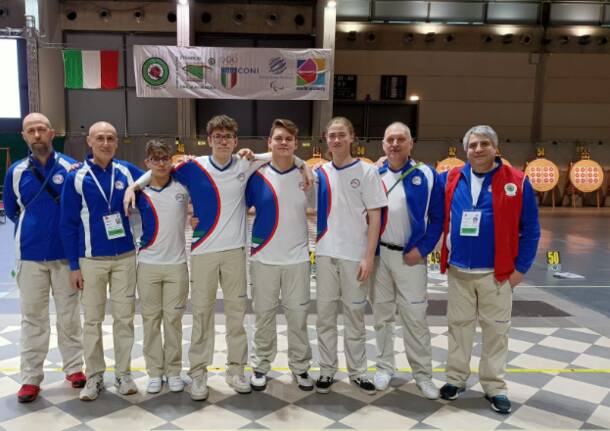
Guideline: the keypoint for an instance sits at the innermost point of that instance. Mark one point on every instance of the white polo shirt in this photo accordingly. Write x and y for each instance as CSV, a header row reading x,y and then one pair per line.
x,y
163,212
353,189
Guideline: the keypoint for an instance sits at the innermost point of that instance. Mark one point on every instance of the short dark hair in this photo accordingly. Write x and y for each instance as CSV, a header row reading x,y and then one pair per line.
x,y
281,123
221,122
156,146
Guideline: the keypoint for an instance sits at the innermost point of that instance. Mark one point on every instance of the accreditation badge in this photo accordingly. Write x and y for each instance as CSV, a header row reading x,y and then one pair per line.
x,y
114,226
471,220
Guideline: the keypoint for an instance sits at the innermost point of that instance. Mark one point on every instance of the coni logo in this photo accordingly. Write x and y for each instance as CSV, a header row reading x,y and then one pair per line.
x,y
155,71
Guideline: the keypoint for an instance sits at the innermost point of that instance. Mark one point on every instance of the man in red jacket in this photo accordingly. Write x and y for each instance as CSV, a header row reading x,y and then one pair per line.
x,y
490,239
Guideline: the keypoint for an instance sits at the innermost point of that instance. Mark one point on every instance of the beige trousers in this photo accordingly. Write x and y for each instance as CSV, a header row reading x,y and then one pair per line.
x,y
337,281
287,285
35,281
473,296
208,270
402,287
118,274
163,290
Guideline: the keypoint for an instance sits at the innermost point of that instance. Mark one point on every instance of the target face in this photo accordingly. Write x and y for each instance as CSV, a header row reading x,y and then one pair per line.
x,y
543,174
587,175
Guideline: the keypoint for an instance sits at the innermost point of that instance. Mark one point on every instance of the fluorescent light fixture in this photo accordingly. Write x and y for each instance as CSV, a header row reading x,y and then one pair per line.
x,y
331,3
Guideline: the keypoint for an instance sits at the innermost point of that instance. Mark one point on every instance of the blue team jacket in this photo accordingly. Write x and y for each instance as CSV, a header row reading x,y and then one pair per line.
x,y
32,208
425,203
83,207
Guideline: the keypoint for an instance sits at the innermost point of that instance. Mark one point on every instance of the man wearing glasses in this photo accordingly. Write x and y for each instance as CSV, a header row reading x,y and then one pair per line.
x,y
217,184
31,197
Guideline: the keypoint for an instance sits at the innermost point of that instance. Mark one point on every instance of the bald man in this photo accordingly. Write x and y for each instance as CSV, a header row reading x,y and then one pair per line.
x,y
101,253
32,189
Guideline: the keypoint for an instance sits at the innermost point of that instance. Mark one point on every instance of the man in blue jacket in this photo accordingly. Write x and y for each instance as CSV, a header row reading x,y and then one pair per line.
x,y
411,227
101,253
32,189
491,234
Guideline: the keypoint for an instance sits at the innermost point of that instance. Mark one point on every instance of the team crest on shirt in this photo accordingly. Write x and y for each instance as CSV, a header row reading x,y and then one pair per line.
x,y
510,189
355,183
58,179
241,177
180,197
119,185
416,181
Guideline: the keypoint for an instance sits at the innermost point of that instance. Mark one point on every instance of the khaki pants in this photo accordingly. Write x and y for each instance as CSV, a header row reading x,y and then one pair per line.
x,y
208,270
119,274
292,283
473,296
404,287
337,281
35,280
163,290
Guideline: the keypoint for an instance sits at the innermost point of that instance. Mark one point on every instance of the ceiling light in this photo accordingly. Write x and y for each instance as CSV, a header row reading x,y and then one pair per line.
x,y
414,98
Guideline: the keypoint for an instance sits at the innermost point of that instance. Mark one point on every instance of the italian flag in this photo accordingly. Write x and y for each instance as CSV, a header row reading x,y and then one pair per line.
x,y
91,69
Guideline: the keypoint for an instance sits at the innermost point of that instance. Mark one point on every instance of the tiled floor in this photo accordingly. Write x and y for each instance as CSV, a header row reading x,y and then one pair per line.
x,y
558,377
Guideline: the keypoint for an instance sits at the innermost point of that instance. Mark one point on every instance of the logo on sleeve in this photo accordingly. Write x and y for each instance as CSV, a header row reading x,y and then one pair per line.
x,y
510,189
416,181
58,179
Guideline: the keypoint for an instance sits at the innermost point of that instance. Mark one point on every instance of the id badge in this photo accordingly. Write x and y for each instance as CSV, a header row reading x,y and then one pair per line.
x,y
114,226
471,221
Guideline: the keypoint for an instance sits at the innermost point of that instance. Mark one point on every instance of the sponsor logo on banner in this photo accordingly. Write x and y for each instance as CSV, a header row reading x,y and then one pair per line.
x,y
155,71
311,74
277,65
195,72
228,75
276,86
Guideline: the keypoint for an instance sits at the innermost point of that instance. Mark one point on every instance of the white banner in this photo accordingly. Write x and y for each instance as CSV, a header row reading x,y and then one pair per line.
x,y
232,73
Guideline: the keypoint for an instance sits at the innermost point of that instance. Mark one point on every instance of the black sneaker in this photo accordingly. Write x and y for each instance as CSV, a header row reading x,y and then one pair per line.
x,y
451,392
500,404
365,385
323,384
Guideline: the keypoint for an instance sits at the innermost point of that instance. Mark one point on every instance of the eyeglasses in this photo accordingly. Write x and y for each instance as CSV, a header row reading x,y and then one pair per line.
x,y
219,137
159,161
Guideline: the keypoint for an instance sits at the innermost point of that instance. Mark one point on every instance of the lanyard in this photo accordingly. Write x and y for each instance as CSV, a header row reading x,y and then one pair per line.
x,y
44,181
97,183
403,176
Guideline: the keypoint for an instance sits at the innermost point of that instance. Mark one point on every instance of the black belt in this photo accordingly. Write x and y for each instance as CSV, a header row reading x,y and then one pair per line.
x,y
391,246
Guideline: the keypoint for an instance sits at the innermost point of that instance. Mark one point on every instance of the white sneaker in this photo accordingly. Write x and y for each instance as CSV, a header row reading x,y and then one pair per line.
x,y
125,385
199,388
428,389
239,383
154,385
382,380
258,381
304,381
175,383
95,385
